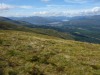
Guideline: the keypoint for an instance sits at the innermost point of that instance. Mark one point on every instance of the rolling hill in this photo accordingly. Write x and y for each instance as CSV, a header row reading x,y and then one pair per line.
x,y
86,26
83,28
8,24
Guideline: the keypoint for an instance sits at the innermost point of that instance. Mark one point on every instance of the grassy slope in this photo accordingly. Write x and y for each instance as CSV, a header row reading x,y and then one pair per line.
x,y
24,53
84,35
50,32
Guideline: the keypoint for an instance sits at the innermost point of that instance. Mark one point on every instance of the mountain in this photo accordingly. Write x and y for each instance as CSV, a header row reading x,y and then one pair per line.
x,y
28,53
52,19
85,30
41,20
94,17
88,27
20,23
34,20
8,24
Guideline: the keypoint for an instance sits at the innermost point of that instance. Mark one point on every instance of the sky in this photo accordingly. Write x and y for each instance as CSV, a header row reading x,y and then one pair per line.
x,y
24,8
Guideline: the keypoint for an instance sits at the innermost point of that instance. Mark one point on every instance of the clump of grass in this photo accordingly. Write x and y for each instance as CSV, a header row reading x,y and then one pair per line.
x,y
96,72
13,53
1,71
1,42
36,71
12,73
95,66
3,65
35,58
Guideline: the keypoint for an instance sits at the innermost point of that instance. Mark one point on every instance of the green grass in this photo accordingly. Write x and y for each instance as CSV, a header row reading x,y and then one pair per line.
x,y
25,53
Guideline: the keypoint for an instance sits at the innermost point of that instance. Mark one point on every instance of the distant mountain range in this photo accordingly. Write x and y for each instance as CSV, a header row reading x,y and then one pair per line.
x,y
8,24
60,20
81,28
40,20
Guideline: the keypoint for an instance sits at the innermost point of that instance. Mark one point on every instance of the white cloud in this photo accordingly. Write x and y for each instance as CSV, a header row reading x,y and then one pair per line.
x,y
45,0
96,9
50,10
84,12
46,13
77,1
4,6
82,1
93,11
25,7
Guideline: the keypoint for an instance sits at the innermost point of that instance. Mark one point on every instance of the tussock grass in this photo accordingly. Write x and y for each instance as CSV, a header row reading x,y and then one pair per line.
x,y
24,53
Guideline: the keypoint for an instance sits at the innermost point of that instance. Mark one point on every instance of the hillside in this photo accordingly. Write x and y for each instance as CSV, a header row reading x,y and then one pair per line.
x,y
69,30
83,28
11,25
25,53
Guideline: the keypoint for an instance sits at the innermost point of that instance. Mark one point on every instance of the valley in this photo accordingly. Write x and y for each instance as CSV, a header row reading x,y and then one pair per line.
x,y
83,28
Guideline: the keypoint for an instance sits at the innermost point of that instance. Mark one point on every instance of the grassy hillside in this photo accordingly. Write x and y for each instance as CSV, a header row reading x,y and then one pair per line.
x,y
78,30
25,53
12,26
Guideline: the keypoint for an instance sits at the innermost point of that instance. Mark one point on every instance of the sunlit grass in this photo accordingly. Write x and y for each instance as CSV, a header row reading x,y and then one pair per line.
x,y
23,53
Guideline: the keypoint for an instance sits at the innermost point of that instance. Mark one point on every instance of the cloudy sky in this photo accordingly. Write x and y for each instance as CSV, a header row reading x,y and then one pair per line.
x,y
49,7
